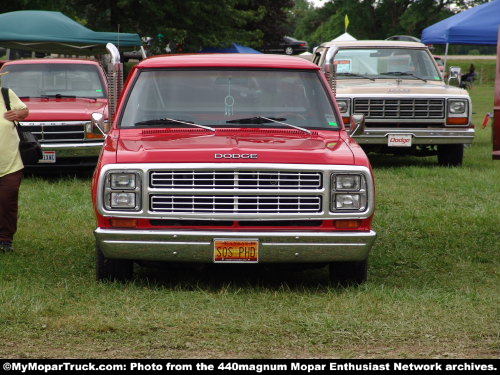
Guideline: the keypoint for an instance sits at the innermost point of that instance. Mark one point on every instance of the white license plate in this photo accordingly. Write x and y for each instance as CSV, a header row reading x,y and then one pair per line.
x,y
399,140
48,157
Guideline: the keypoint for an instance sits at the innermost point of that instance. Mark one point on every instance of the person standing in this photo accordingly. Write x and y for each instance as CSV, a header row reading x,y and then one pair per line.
x,y
11,168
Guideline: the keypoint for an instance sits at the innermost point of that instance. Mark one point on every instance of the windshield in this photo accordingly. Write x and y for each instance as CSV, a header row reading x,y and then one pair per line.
x,y
64,80
386,63
217,97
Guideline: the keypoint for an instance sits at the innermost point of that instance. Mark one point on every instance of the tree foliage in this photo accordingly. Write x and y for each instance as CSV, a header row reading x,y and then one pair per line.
x,y
371,19
191,23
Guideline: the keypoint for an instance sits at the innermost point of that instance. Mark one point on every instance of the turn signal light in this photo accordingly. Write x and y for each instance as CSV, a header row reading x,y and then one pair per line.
x,y
457,121
124,223
95,135
347,224
346,120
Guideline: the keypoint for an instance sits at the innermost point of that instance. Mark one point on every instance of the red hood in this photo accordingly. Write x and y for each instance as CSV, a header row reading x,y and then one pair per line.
x,y
64,109
200,146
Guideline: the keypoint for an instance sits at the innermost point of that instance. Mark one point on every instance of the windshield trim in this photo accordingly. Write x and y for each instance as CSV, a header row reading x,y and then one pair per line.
x,y
138,71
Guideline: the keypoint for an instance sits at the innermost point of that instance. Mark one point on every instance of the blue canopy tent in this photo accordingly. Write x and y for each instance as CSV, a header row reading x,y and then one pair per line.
x,y
478,25
54,32
234,48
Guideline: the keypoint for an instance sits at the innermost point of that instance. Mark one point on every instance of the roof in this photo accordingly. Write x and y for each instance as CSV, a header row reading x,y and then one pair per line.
x,y
229,60
374,43
54,32
51,61
477,25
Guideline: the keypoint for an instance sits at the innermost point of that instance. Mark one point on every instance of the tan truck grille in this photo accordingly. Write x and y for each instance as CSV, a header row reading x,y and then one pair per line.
x,y
394,108
235,204
235,180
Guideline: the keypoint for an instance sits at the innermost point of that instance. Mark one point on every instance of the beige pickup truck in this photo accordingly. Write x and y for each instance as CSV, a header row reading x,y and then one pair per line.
x,y
408,107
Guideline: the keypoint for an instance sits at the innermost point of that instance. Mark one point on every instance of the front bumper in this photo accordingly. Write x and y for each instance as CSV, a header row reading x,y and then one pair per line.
x,y
83,153
198,246
426,136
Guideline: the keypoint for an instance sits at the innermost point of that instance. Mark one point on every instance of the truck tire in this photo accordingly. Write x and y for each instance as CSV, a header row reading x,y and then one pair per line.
x,y
112,269
450,155
348,273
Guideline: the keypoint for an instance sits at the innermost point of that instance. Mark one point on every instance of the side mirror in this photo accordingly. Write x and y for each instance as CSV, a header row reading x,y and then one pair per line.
x,y
96,122
455,73
356,125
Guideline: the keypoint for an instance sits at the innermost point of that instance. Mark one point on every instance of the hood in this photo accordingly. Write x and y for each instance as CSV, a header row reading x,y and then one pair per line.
x,y
395,87
200,146
64,109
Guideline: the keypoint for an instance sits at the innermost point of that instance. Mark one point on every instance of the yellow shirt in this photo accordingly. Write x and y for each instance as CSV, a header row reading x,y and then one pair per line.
x,y
10,158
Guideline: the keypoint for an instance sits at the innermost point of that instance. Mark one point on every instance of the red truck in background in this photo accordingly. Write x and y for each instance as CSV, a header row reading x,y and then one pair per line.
x,y
61,95
232,159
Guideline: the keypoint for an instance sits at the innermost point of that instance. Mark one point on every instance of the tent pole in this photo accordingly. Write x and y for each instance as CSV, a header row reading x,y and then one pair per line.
x,y
446,56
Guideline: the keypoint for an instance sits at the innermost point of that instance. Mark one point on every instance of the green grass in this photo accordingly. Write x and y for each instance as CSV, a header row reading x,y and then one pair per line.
x,y
485,69
432,289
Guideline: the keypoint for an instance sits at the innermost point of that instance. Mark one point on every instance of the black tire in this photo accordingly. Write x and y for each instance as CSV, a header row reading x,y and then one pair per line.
x,y
450,155
348,273
112,269
289,51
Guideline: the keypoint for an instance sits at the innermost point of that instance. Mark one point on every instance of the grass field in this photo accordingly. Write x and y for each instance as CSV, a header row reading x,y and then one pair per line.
x,y
432,288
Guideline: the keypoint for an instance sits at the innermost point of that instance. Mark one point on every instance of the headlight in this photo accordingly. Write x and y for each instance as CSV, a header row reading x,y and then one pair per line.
x,y
122,190
122,200
347,182
126,181
349,192
347,201
343,105
457,107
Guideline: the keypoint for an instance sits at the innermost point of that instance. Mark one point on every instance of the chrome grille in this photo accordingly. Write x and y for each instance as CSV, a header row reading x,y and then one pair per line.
x,y
56,131
393,108
235,204
235,180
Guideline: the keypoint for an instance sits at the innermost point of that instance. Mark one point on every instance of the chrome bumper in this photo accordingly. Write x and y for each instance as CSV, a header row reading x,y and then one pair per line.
x,y
198,246
82,154
420,136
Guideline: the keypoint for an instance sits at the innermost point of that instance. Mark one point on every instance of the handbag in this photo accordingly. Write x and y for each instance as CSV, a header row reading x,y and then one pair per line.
x,y
29,146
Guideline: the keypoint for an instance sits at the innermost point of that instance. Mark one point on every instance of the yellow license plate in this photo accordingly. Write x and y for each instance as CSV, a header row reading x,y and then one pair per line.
x,y
236,251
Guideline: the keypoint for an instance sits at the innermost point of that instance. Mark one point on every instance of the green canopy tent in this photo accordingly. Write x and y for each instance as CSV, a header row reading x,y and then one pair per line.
x,y
53,32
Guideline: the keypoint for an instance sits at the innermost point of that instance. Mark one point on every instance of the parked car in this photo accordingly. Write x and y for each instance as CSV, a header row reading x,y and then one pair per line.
x,y
232,159
440,63
409,108
288,46
61,94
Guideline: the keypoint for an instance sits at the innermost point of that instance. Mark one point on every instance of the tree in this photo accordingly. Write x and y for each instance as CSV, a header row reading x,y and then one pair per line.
x,y
375,19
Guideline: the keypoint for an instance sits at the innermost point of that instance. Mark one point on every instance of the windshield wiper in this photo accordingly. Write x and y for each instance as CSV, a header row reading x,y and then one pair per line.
x,y
57,96
355,75
402,74
166,120
265,120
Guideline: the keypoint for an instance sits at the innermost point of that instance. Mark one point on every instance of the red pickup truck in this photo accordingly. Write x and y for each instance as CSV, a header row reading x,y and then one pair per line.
x,y
232,159
61,94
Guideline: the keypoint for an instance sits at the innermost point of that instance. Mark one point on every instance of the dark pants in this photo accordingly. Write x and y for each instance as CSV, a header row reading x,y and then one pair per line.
x,y
9,194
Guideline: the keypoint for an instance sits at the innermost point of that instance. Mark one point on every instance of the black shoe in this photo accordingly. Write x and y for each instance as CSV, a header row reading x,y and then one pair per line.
x,y
6,246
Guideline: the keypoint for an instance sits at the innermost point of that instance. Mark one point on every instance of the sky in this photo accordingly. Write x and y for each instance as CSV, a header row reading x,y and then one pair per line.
x,y
318,3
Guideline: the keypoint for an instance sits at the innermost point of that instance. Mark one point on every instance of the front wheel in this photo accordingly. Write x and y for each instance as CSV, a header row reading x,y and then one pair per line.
x,y
348,273
450,155
112,269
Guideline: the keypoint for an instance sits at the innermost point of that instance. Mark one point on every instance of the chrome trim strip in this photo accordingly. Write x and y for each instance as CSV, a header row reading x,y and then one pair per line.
x,y
325,213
